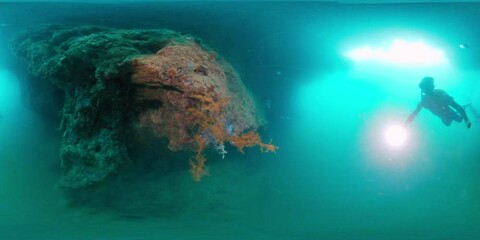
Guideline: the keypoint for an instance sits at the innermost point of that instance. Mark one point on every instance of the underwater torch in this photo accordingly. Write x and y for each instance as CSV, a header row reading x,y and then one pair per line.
x,y
396,135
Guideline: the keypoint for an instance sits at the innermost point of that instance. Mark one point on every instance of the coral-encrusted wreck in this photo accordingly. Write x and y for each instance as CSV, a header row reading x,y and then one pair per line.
x,y
117,82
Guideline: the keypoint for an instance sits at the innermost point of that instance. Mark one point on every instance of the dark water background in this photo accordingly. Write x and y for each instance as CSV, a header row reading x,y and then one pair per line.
x,y
332,178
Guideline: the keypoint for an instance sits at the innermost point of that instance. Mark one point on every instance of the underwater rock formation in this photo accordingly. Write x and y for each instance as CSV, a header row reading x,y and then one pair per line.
x,y
120,82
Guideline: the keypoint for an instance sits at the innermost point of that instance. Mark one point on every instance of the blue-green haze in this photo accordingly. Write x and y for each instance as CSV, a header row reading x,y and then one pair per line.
x,y
333,177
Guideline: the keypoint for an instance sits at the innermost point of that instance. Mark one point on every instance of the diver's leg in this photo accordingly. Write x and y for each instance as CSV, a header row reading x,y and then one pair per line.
x,y
447,121
452,115
457,117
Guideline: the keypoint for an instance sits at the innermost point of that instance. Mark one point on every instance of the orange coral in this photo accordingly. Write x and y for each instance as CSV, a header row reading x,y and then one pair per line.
x,y
269,147
197,167
171,72
218,106
251,139
182,94
202,98
197,163
218,131
246,140
209,117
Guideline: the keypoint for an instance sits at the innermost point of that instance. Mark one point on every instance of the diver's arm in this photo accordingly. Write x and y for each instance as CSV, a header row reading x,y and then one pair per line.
x,y
461,111
413,114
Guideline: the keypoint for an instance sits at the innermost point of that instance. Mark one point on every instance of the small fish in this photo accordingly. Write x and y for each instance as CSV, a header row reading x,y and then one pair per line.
x,y
4,25
1,117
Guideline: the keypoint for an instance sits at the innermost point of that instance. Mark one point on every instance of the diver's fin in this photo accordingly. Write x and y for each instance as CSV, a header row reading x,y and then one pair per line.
x,y
474,111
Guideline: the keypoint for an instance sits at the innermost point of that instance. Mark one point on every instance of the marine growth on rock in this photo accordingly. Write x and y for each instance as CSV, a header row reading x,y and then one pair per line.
x,y
119,82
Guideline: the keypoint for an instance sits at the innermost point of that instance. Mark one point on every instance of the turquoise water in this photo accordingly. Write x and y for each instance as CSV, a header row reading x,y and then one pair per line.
x,y
334,176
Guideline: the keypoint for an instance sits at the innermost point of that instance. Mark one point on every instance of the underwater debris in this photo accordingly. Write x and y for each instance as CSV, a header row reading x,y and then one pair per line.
x,y
159,82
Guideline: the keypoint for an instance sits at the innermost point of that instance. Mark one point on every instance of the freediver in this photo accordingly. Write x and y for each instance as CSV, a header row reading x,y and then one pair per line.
x,y
439,103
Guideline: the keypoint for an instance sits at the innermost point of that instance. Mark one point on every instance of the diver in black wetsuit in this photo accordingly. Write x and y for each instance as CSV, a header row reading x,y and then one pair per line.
x,y
439,103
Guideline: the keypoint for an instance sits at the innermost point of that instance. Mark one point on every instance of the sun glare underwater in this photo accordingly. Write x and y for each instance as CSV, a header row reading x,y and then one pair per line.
x,y
402,53
239,120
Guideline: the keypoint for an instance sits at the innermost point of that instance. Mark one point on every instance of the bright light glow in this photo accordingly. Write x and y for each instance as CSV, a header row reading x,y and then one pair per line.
x,y
396,135
400,52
